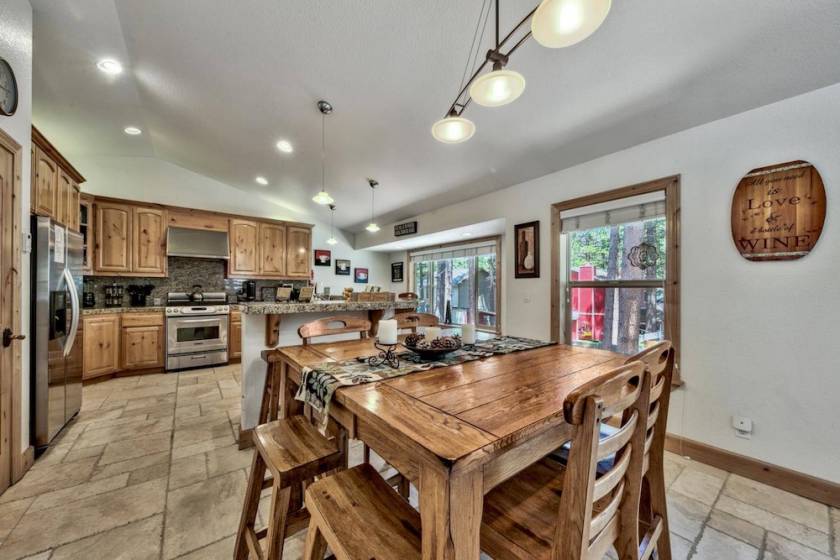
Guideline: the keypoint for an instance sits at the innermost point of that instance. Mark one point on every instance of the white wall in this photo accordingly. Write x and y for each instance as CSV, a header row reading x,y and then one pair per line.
x,y
16,48
758,339
154,180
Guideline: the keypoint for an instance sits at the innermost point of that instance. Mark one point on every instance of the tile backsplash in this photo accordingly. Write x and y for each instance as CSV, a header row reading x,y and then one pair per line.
x,y
184,273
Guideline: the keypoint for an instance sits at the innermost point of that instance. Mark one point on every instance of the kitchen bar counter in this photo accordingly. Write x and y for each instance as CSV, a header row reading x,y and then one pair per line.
x,y
332,306
107,310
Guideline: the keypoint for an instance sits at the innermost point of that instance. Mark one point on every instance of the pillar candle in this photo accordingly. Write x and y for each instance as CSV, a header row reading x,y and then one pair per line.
x,y
387,332
432,333
468,334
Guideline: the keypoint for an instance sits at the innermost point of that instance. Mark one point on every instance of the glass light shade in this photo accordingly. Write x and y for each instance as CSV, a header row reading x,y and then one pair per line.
x,y
132,130
453,130
372,227
497,88
110,66
322,198
332,241
561,23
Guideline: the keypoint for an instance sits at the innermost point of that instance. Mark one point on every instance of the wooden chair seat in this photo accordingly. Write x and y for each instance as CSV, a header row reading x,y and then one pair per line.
x,y
294,449
359,516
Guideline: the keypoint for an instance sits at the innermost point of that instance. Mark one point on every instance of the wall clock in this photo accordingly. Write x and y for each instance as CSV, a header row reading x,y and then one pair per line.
x,y
8,89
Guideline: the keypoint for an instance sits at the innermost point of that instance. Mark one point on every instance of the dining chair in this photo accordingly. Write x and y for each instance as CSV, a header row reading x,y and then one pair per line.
x,y
550,512
340,324
659,360
408,295
410,321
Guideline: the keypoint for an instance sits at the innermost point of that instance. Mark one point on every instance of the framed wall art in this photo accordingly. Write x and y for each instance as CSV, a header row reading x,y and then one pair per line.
x,y
342,267
527,250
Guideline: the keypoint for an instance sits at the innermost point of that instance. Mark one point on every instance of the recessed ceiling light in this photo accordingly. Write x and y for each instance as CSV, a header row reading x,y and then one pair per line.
x,y
110,66
132,130
261,180
285,146
466,234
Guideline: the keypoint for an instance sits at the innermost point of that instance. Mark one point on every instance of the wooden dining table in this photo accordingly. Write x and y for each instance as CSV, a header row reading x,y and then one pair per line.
x,y
455,432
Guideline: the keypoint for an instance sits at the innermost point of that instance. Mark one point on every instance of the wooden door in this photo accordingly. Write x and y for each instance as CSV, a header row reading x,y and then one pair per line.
x,y
74,206
272,249
243,248
44,201
298,247
148,247
235,335
112,232
142,347
101,345
62,204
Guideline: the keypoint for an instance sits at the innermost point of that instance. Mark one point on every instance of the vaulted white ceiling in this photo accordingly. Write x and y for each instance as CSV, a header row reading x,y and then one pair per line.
x,y
214,84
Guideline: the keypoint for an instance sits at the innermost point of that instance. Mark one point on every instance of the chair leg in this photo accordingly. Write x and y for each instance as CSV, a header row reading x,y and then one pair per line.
x,y
250,507
316,546
278,516
659,506
365,454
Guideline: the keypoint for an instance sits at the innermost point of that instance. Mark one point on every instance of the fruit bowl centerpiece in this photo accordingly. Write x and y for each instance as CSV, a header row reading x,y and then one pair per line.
x,y
432,349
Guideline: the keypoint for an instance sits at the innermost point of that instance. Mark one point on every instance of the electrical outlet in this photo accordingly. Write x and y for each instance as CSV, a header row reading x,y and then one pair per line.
x,y
743,426
526,299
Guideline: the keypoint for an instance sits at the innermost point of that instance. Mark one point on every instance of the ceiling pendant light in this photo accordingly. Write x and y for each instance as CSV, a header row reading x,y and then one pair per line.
x,y
323,196
372,227
562,23
332,240
453,129
498,87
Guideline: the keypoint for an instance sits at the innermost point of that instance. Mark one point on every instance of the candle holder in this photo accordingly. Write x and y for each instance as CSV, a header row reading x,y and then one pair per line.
x,y
386,355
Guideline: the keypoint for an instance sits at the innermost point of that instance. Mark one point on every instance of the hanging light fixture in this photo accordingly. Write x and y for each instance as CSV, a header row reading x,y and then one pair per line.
x,y
554,23
562,23
332,240
323,197
372,227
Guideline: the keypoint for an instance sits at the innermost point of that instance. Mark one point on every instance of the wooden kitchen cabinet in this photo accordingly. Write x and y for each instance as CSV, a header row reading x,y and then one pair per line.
x,y
112,235
298,249
272,249
86,228
148,241
142,340
55,183
62,204
45,187
235,335
243,236
101,345
74,206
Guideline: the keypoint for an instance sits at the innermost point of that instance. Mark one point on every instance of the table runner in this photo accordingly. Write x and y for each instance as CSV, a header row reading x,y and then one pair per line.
x,y
319,383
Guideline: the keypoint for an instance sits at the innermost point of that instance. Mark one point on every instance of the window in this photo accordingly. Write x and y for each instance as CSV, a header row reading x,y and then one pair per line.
x,y
459,284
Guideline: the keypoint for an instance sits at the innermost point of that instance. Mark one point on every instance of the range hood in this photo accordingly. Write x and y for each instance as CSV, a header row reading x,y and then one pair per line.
x,y
197,243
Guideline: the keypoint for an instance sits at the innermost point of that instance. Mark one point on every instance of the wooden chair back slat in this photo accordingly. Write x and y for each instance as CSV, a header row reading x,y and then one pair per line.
x,y
600,521
599,547
408,295
414,320
615,390
341,324
610,480
612,444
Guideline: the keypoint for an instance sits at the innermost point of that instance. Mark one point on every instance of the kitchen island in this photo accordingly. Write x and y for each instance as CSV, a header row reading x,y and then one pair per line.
x,y
268,325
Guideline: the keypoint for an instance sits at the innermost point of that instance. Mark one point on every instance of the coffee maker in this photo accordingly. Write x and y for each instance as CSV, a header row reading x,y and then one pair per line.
x,y
249,290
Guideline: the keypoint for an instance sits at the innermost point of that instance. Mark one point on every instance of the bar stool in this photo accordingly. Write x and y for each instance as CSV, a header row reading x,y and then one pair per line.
x,y
295,453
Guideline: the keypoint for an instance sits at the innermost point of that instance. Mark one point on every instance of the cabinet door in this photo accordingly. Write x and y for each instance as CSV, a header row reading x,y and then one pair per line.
x,y
272,250
112,233
235,338
142,347
46,185
62,204
299,242
243,248
86,227
74,206
148,247
101,345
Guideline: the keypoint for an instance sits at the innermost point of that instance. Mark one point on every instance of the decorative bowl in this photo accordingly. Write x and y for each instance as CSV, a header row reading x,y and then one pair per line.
x,y
429,352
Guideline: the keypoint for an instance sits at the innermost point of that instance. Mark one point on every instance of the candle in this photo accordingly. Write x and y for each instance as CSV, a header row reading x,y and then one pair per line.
x,y
468,334
432,333
387,331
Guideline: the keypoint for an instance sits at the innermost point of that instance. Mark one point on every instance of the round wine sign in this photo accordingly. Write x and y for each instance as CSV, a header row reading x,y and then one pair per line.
x,y
778,212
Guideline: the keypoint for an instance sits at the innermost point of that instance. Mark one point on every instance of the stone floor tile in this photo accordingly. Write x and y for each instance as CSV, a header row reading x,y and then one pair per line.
x,y
202,447
130,465
188,470
698,485
772,522
79,453
150,472
197,434
187,411
55,477
791,506
43,556
53,527
686,516
221,550
680,547
737,527
10,514
78,492
136,541
227,459
780,548
203,513
717,546
108,434
55,454
137,447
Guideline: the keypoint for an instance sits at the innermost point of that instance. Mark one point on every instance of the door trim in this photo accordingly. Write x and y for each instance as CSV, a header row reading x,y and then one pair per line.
x,y
21,459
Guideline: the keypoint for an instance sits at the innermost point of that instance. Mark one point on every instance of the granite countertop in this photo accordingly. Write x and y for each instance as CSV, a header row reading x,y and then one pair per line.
x,y
271,308
107,310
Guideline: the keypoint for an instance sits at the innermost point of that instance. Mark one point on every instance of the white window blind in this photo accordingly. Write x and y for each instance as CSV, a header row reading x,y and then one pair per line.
x,y
614,216
457,252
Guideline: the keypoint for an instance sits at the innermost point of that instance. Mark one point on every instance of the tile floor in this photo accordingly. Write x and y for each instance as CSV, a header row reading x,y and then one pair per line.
x,y
150,470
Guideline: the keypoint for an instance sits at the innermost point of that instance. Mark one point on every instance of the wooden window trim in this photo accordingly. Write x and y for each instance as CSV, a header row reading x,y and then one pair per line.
x,y
671,187
497,239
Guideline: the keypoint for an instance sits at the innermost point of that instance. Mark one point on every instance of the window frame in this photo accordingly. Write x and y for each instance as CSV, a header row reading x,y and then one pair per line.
x,y
497,239
670,186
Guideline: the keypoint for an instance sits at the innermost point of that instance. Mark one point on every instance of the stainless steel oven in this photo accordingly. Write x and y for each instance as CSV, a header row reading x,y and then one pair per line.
x,y
196,336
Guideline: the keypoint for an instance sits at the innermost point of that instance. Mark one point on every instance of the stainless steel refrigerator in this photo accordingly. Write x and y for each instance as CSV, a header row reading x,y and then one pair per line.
x,y
56,361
